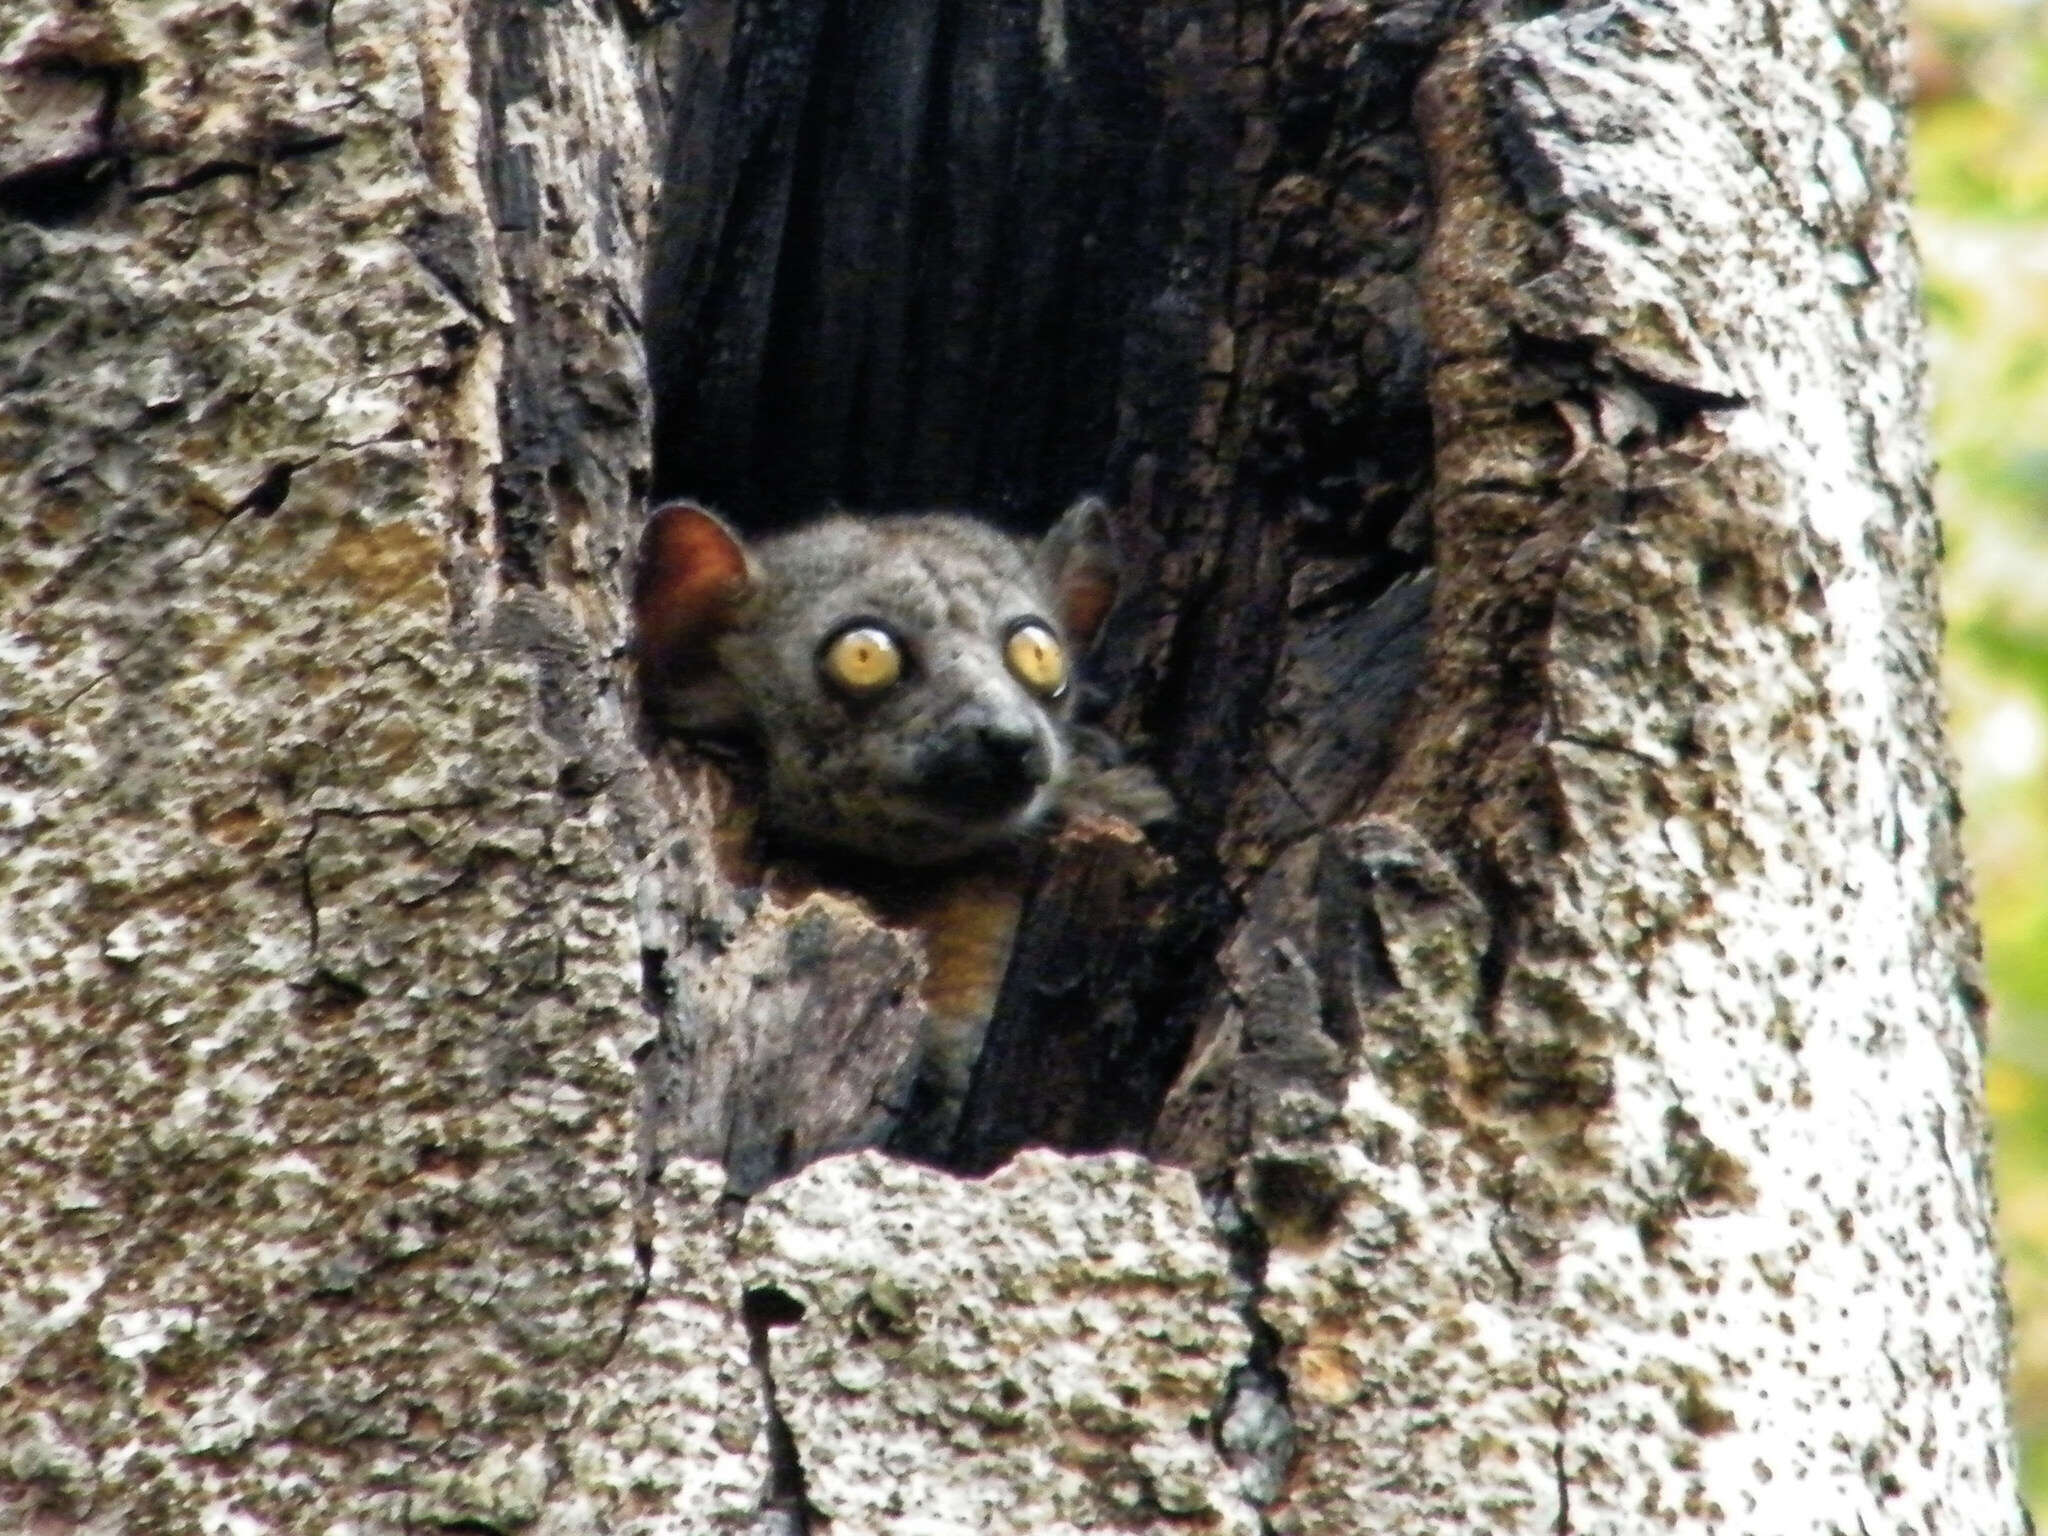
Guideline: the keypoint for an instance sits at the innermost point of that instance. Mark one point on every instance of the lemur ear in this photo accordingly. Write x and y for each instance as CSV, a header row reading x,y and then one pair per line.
x,y
692,579
1079,562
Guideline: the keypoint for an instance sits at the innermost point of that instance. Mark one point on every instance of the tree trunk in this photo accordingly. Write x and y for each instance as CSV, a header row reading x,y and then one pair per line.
x,y
1533,1086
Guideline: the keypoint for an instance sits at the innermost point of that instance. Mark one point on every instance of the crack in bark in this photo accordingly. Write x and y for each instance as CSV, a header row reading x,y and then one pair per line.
x,y
308,897
1593,744
198,176
1500,1247
1560,1417
636,1298
1502,904
302,856
786,1500
657,992
214,170
1294,796
1253,1428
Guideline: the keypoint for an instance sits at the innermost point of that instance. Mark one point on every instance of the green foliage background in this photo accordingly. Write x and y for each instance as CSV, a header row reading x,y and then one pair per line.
x,y
1981,164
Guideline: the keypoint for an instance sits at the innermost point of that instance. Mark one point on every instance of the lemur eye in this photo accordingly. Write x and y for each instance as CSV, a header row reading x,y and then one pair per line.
x,y
1035,655
862,660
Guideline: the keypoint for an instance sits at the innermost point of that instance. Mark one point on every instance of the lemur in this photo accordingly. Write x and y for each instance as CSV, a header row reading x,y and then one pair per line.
x,y
904,688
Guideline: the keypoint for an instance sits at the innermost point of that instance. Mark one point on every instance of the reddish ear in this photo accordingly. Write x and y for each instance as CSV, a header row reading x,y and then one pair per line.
x,y
693,577
1078,560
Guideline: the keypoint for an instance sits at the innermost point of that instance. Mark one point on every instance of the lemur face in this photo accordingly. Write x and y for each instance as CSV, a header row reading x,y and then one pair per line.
x,y
886,665
905,680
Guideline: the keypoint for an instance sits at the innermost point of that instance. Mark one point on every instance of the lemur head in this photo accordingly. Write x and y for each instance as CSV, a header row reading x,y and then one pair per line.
x,y
906,680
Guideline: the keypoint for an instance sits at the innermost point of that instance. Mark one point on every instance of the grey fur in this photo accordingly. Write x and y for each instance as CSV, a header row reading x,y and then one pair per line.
x,y
856,776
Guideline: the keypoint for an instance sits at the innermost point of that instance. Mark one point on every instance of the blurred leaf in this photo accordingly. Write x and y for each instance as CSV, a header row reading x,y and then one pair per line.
x,y
1981,169
1995,642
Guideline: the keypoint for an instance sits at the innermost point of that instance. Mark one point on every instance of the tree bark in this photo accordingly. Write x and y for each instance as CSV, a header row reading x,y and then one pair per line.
x,y
1535,1084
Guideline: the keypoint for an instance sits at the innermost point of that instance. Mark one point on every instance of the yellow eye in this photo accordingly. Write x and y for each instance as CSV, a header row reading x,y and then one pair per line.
x,y
862,659
1034,654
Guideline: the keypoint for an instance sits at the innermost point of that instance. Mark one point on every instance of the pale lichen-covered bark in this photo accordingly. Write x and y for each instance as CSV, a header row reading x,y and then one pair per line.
x,y
1051,1365
1665,1193
343,913
1753,1276
319,980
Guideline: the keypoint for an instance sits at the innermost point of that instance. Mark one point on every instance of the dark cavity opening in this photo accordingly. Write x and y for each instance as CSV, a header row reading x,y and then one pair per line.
x,y
993,254
896,259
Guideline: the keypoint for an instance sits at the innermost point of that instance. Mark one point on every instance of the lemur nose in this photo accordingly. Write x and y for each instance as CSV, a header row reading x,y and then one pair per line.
x,y
1011,750
985,767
